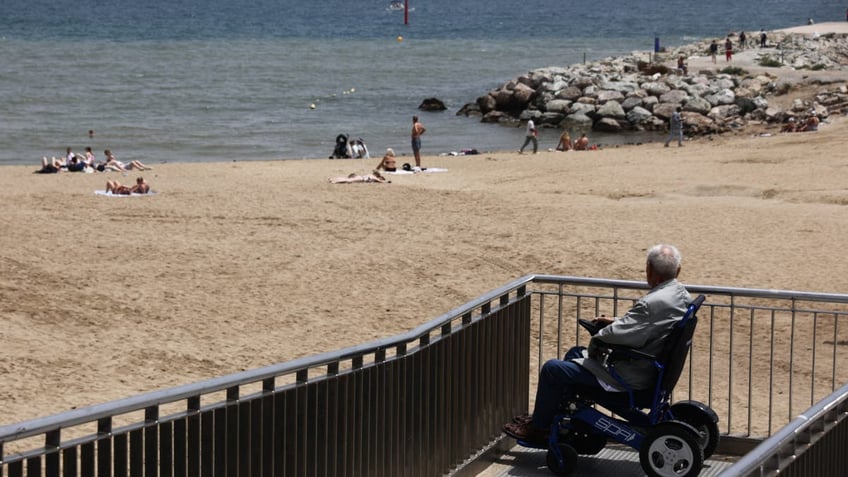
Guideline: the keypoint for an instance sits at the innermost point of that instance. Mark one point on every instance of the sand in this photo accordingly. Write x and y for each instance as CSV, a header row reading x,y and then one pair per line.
x,y
237,265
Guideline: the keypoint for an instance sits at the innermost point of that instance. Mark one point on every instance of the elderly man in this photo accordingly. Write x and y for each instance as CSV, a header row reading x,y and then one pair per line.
x,y
643,327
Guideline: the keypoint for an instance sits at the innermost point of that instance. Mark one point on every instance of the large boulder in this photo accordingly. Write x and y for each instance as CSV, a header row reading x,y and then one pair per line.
x,y
638,115
605,96
694,123
724,112
656,88
487,103
631,102
570,93
607,125
558,106
611,109
677,96
664,110
582,108
576,121
698,105
723,97
432,104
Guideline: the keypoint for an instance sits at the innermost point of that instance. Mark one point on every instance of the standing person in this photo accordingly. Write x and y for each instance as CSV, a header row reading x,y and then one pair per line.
x,y
644,328
713,50
530,135
675,128
417,130
742,41
728,50
763,38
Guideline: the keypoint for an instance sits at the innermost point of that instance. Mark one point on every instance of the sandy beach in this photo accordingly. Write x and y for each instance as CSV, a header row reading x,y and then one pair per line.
x,y
237,265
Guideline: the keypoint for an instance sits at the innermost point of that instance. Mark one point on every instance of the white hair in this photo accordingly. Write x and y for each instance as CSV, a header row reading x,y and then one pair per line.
x,y
664,260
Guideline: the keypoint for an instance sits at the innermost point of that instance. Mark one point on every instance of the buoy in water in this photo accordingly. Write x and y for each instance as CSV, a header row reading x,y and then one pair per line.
x,y
399,38
312,106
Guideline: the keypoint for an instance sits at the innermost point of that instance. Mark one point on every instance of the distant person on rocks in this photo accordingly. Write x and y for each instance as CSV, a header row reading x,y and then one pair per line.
x,y
743,41
581,144
713,50
763,38
810,21
417,130
564,143
675,128
530,135
681,65
728,50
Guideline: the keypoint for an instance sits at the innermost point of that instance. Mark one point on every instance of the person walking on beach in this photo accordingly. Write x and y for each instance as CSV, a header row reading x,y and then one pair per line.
x,y
675,128
728,50
713,50
417,130
742,41
763,38
530,136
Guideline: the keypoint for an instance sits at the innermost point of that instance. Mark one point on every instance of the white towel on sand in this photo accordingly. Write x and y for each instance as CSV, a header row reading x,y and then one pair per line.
x,y
424,171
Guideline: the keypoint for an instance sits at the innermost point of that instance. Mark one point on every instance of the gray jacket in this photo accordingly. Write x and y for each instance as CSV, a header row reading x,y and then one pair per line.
x,y
644,328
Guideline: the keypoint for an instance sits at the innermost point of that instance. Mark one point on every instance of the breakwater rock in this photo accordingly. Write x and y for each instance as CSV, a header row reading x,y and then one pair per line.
x,y
640,91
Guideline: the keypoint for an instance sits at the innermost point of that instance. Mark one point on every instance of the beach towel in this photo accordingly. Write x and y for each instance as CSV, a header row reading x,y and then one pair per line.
x,y
422,171
109,194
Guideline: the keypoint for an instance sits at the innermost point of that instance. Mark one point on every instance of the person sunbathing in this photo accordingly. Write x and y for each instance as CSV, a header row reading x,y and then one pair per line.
x,y
581,144
375,177
140,187
388,162
51,166
790,126
564,143
112,164
811,124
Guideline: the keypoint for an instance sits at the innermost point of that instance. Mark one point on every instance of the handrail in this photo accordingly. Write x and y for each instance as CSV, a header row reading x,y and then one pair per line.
x,y
786,436
155,398
481,304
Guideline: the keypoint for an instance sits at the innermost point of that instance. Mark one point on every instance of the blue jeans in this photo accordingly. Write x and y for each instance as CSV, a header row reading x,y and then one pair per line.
x,y
527,141
556,381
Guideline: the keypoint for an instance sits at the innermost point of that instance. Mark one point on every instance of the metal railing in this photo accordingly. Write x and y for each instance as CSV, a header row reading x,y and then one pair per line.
x,y
812,444
418,404
428,401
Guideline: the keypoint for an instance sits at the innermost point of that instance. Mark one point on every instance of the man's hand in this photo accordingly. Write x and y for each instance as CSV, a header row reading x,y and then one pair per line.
x,y
595,351
602,321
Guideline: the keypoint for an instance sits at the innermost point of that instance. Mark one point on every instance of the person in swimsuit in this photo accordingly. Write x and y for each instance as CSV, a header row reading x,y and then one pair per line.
x,y
581,144
417,130
564,143
140,187
113,164
374,177
388,163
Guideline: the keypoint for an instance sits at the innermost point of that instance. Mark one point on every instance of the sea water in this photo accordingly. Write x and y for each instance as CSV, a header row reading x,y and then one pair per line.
x,y
217,80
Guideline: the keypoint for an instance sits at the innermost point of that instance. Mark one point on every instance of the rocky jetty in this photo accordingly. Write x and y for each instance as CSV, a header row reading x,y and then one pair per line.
x,y
639,92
